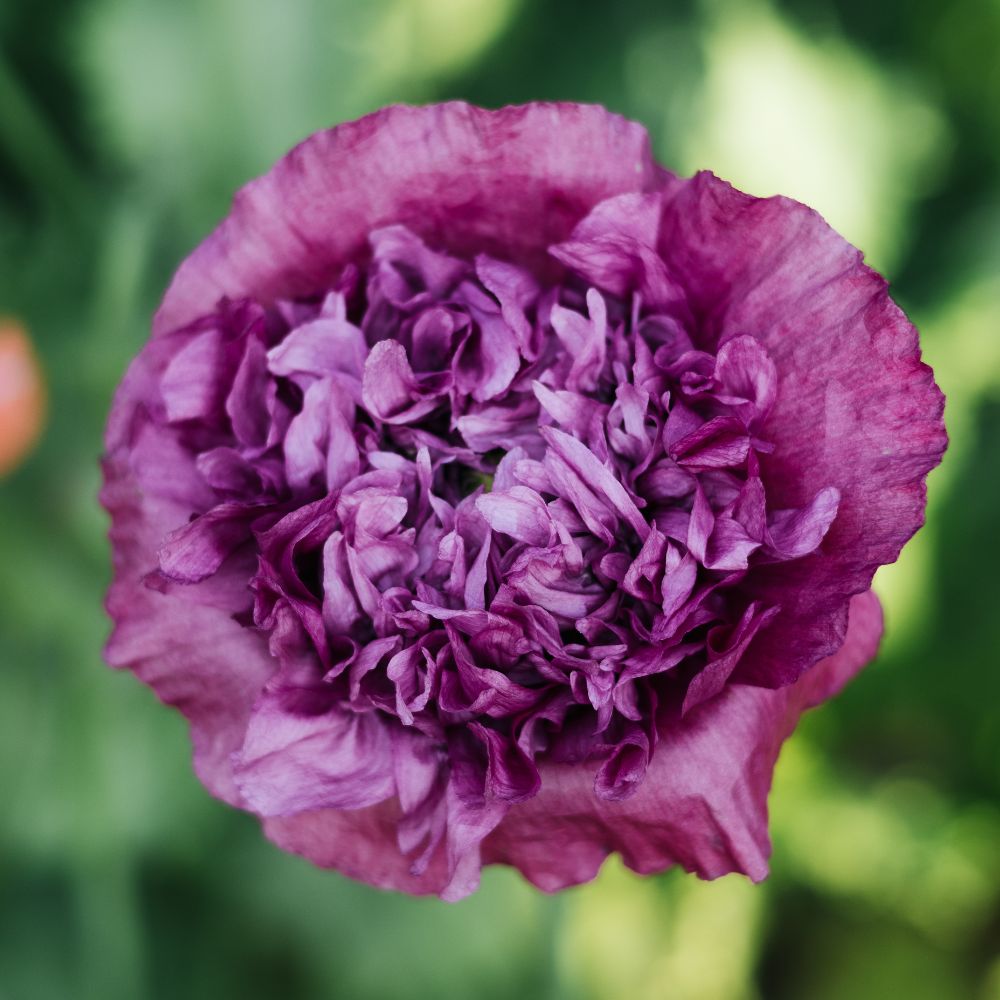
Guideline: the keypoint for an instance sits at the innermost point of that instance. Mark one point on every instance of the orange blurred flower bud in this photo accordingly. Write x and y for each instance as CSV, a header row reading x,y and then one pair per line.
x,y
22,395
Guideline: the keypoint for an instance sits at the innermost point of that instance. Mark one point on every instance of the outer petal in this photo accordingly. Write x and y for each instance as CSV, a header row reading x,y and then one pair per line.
x,y
180,640
703,803
856,409
183,640
304,751
359,843
509,182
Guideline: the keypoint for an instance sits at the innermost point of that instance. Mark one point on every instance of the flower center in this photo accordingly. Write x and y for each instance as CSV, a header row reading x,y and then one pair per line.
x,y
475,498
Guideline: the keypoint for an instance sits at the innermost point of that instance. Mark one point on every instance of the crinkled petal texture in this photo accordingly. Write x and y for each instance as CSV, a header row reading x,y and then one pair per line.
x,y
509,183
703,804
487,494
857,407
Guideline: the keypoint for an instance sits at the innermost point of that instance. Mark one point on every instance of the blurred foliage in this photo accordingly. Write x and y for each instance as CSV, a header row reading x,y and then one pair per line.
x,y
125,126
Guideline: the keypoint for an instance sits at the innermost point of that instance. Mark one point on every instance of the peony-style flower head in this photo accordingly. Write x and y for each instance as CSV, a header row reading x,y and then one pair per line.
x,y
486,493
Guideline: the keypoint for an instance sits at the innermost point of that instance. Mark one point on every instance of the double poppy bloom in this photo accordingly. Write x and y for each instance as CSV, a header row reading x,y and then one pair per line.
x,y
487,493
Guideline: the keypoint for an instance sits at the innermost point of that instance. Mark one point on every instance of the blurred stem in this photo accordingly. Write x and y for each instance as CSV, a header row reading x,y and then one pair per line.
x,y
553,921
110,929
110,939
34,147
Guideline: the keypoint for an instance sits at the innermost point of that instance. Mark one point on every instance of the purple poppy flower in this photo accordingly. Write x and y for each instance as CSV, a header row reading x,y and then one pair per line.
x,y
486,493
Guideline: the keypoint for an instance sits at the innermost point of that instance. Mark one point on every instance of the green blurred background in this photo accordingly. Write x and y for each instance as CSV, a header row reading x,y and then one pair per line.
x,y
125,126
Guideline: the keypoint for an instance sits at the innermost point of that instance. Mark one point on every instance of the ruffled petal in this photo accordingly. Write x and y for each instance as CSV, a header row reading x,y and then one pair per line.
x,y
703,802
856,410
182,641
319,348
303,751
520,513
197,550
614,248
360,843
509,183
